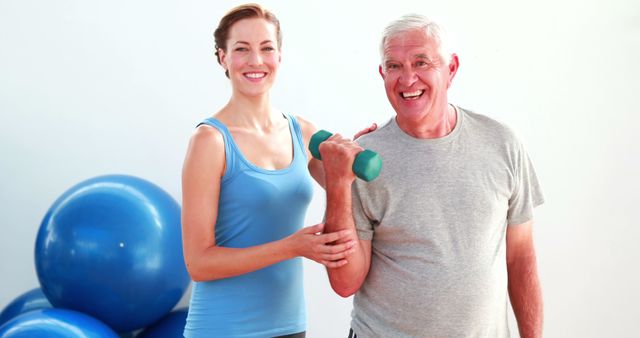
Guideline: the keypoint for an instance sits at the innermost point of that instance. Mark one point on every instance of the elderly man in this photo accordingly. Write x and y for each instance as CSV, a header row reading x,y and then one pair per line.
x,y
445,231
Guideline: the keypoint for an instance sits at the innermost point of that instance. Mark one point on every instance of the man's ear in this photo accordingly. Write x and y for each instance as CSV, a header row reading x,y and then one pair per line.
x,y
454,63
381,71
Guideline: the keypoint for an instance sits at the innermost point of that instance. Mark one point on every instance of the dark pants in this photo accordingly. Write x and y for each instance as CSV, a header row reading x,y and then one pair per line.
x,y
352,334
294,335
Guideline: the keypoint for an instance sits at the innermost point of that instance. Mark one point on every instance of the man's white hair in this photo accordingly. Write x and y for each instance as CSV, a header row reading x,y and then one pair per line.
x,y
412,22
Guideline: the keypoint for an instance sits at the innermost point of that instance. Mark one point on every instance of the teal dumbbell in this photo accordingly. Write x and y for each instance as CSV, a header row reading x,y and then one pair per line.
x,y
366,165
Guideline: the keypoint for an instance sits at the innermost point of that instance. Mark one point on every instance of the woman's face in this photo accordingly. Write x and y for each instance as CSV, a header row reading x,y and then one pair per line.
x,y
252,56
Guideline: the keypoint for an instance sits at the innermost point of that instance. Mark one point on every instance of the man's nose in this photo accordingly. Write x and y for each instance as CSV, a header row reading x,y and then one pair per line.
x,y
408,76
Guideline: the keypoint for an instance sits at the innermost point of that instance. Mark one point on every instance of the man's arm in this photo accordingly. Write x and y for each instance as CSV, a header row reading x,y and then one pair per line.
x,y
347,279
524,285
338,154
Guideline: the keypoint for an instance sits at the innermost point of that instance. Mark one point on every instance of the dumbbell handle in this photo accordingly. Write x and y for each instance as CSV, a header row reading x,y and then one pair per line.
x,y
366,165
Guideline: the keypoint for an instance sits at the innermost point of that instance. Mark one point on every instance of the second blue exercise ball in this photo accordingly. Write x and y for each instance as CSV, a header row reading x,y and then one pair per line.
x,y
31,300
55,323
111,247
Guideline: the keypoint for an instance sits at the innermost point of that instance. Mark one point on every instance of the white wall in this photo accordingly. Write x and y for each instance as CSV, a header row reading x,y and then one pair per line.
x,y
96,87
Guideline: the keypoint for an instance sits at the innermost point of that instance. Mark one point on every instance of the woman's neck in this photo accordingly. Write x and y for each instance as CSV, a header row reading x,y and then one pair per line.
x,y
250,112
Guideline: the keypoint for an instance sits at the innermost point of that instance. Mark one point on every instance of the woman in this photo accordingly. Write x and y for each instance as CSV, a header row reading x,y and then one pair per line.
x,y
246,188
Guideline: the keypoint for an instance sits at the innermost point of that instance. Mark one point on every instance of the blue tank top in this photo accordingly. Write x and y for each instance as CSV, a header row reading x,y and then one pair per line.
x,y
256,206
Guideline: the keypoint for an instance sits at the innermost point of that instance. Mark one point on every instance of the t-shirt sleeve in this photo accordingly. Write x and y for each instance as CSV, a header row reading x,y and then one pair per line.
x,y
526,193
364,226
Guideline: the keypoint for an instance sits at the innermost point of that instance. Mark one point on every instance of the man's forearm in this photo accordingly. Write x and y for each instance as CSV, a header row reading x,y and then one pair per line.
x,y
339,215
347,279
526,296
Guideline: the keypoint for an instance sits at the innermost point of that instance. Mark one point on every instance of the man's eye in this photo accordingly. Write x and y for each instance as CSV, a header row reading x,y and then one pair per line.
x,y
241,49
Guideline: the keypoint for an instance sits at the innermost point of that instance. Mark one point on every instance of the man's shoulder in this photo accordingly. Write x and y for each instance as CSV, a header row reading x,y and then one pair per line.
x,y
483,124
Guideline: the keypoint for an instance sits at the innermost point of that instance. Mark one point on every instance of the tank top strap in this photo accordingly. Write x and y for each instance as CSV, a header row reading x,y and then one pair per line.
x,y
229,146
298,140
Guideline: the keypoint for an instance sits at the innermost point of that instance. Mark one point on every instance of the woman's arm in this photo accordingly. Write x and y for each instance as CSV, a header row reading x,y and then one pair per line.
x,y
315,166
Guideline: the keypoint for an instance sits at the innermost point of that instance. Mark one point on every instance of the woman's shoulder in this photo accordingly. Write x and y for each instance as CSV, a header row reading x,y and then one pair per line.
x,y
307,127
205,152
206,137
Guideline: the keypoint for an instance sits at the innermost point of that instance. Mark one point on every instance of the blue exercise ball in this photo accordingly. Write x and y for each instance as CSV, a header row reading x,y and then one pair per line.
x,y
55,323
111,247
170,326
31,300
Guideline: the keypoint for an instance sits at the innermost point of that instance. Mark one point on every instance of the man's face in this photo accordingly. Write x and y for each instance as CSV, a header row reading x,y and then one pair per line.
x,y
416,77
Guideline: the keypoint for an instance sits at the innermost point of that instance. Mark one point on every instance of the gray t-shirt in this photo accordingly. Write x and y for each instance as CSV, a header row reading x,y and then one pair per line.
x,y
437,218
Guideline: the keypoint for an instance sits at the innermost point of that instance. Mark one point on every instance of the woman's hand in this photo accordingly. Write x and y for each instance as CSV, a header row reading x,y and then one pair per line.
x,y
309,242
365,131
